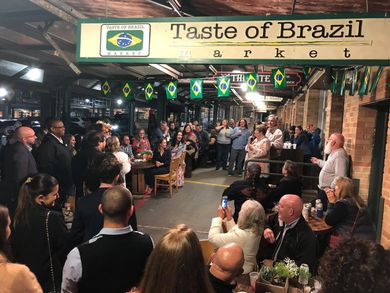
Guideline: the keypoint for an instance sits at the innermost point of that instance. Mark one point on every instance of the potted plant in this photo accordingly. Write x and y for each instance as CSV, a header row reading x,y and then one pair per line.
x,y
147,155
275,279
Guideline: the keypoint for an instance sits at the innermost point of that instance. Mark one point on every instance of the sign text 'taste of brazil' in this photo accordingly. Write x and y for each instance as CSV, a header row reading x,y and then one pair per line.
x,y
236,40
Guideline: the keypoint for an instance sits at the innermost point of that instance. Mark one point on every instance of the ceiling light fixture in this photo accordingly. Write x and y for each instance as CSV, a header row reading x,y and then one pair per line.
x,y
3,92
119,102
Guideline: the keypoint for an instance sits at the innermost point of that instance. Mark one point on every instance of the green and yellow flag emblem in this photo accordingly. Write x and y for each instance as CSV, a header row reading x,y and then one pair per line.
x,y
149,90
223,86
363,90
127,90
105,87
129,40
251,81
376,79
196,89
335,77
279,78
354,78
171,90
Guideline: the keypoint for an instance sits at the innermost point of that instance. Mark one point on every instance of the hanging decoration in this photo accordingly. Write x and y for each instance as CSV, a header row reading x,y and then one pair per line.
x,y
105,87
376,79
171,90
354,78
149,90
251,81
196,89
223,86
127,90
363,90
335,77
279,78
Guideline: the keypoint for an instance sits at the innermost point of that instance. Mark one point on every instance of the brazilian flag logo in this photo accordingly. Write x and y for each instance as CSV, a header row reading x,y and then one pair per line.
x,y
127,90
149,90
251,81
223,86
171,90
279,78
105,88
128,40
196,89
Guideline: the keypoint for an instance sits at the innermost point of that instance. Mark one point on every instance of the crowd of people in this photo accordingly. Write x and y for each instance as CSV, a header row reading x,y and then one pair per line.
x,y
104,252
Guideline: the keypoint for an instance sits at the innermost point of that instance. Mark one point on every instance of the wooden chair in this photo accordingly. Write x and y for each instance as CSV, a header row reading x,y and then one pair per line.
x,y
170,178
207,250
182,162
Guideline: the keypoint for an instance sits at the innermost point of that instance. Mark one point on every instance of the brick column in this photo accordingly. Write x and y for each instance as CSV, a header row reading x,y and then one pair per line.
x,y
310,110
358,130
334,114
297,112
385,239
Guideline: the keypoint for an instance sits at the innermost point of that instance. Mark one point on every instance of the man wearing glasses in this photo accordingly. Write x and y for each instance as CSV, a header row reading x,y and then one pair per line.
x,y
54,158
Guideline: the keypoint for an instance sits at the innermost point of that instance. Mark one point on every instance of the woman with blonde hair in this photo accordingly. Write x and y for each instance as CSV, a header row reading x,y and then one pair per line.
x,y
347,213
247,233
176,265
113,146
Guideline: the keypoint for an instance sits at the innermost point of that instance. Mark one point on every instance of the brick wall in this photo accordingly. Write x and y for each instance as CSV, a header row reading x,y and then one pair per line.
x,y
385,240
297,113
310,113
334,114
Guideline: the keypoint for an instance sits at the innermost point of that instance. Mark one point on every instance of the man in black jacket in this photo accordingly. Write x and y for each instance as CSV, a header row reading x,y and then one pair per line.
x,y
87,219
55,159
17,164
289,235
113,260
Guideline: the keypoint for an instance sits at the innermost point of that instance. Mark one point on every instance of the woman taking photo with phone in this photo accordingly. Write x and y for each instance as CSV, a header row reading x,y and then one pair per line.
x,y
40,234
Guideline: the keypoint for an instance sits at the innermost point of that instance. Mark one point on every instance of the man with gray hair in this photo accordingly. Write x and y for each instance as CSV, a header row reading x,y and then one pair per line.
x,y
113,260
226,265
289,235
336,165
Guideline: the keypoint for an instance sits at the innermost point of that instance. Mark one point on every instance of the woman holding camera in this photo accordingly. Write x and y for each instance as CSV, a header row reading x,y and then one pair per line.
x,y
247,232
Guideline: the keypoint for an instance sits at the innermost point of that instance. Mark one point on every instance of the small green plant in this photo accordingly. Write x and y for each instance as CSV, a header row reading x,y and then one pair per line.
x,y
281,271
267,273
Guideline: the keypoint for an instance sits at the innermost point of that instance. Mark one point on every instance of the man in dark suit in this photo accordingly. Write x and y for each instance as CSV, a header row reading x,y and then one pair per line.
x,y
17,164
54,158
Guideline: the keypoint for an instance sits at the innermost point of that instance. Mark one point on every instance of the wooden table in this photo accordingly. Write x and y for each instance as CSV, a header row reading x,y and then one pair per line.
x,y
137,175
318,225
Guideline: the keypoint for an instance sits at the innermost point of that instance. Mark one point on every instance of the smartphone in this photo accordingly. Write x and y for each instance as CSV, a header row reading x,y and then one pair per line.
x,y
224,202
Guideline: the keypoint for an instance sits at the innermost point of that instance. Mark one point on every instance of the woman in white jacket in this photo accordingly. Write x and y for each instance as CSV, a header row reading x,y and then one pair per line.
x,y
259,148
247,233
113,146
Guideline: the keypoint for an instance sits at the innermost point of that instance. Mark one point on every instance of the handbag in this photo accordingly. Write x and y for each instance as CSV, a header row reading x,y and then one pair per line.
x,y
50,256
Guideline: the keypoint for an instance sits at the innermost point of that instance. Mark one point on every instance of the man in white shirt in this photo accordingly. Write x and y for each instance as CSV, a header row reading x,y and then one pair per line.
x,y
336,165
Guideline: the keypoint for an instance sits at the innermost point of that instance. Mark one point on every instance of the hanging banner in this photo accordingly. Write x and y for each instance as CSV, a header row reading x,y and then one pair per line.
x,y
363,90
342,84
105,87
149,91
263,78
196,89
127,90
325,39
354,78
223,86
335,76
251,81
279,78
171,90
376,78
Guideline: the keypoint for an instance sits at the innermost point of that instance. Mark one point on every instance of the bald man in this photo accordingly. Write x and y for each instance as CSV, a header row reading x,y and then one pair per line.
x,y
17,164
336,165
113,260
226,264
288,234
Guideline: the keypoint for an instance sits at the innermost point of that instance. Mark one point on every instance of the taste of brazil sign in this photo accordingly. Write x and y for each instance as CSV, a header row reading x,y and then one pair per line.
x,y
304,39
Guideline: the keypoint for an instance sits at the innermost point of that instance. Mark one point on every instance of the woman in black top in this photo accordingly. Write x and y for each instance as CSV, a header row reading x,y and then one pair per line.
x,y
344,206
289,184
35,227
162,159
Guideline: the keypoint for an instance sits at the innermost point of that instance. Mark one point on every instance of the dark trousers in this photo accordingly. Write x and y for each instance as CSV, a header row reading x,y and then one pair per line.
x,y
222,154
189,160
149,174
237,157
